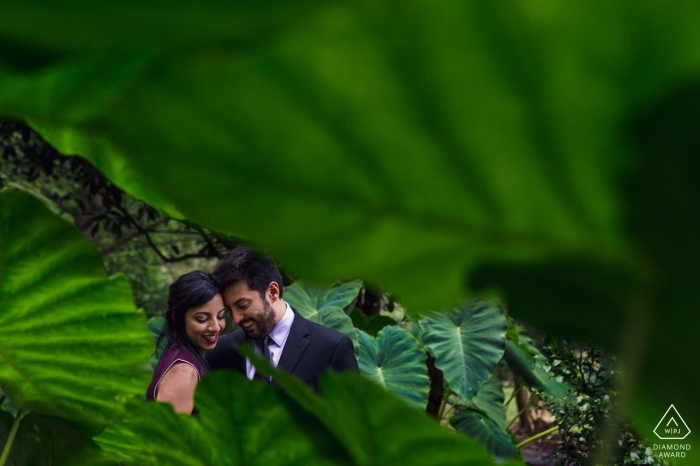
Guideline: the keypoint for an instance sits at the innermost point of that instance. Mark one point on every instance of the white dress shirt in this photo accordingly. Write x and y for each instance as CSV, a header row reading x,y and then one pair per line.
x,y
278,337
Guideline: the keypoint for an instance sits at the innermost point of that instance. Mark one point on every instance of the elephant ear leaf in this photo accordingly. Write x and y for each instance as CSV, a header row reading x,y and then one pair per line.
x,y
326,306
72,343
480,427
485,420
467,343
239,422
396,362
155,327
490,401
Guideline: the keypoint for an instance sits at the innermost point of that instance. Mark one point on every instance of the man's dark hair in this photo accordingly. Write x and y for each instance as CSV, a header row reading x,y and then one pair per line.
x,y
254,267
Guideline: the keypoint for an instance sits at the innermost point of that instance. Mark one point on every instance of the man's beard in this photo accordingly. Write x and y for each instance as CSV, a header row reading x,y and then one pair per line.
x,y
265,322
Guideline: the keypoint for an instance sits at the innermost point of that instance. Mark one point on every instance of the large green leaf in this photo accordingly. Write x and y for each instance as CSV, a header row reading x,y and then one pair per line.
x,y
122,443
314,120
481,427
48,441
239,423
467,343
162,24
490,400
409,144
396,362
374,426
325,305
72,343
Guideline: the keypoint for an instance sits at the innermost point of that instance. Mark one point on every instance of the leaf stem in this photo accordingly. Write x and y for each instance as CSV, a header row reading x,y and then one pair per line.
x,y
442,405
452,408
11,438
516,389
534,437
527,405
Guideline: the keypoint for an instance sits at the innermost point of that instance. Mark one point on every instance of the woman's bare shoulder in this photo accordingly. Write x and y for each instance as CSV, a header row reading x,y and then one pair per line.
x,y
181,370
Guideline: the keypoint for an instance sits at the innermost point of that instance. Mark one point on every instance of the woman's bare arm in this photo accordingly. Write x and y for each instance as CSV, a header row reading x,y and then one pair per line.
x,y
177,387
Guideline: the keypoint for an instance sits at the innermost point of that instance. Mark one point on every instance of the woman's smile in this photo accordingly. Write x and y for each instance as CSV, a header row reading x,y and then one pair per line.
x,y
203,324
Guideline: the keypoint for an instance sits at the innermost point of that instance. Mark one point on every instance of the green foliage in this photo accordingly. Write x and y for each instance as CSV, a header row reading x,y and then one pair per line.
x,y
533,371
467,343
326,306
238,422
492,162
588,411
370,325
514,128
376,427
72,344
479,426
47,441
243,422
395,361
155,327
490,401
122,443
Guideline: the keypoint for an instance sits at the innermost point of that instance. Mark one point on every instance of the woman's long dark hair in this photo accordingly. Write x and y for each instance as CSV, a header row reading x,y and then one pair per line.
x,y
192,289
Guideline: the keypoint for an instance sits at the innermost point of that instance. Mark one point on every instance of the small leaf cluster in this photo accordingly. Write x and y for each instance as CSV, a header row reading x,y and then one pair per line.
x,y
588,414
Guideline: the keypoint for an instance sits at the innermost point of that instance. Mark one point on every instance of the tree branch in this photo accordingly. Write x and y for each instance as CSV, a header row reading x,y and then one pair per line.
x,y
116,246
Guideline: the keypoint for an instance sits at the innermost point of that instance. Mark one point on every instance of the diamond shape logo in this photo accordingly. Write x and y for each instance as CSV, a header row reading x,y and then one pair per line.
x,y
672,426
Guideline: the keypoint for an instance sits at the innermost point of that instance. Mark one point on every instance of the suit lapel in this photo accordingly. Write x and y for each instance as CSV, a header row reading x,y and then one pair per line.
x,y
295,345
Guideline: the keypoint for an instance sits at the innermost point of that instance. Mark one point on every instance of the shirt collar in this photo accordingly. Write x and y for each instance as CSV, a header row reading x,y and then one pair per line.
x,y
280,332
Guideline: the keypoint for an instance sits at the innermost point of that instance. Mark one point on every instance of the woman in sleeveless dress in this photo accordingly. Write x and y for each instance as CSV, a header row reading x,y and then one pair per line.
x,y
193,322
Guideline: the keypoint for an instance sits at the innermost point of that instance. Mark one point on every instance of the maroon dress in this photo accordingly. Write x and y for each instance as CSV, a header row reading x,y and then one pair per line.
x,y
174,353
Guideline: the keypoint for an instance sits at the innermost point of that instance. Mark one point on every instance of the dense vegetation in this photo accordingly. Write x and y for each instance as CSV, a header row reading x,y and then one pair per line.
x,y
543,152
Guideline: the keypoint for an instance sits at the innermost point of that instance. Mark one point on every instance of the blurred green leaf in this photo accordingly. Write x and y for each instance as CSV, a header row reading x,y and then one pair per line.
x,y
370,325
467,343
395,361
121,443
163,437
325,305
493,164
72,343
73,25
48,441
410,144
374,426
239,422
6,421
663,198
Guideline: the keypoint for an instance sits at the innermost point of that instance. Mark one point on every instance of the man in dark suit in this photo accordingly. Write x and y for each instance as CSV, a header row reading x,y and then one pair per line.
x,y
251,286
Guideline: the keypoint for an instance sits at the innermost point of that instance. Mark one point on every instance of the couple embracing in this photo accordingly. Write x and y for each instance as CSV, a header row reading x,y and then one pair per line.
x,y
247,284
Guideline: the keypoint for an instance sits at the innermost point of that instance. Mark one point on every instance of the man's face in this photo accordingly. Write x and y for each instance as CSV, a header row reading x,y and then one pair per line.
x,y
249,310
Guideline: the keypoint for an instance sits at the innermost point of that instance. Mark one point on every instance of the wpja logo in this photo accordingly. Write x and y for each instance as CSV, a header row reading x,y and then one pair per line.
x,y
672,427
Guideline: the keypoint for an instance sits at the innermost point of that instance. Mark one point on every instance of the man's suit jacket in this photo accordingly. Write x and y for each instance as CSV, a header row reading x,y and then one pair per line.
x,y
310,350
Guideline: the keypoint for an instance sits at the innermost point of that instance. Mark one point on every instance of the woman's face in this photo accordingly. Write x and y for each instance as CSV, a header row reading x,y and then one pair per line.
x,y
204,323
